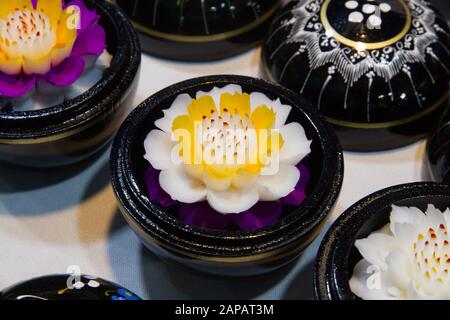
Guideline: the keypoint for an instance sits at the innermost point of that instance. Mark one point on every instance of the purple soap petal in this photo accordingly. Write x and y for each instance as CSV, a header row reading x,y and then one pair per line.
x,y
88,18
16,86
297,196
261,215
202,215
155,192
66,73
91,42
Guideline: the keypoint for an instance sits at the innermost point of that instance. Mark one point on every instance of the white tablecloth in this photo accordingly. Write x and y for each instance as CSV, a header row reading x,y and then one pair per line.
x,y
50,220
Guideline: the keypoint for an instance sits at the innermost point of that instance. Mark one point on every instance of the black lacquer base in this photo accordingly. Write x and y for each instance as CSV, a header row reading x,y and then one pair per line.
x,y
227,252
78,128
438,151
192,31
66,287
338,255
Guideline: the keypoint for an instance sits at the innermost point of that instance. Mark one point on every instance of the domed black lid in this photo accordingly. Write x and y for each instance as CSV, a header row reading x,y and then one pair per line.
x,y
438,151
67,287
199,29
366,64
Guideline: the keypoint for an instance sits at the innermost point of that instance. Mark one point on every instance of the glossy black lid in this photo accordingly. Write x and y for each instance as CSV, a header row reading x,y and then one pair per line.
x,y
365,64
438,151
198,30
67,287
195,18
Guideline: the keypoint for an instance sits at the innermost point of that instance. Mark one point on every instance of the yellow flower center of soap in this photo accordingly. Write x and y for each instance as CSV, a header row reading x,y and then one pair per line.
x,y
432,255
32,40
230,141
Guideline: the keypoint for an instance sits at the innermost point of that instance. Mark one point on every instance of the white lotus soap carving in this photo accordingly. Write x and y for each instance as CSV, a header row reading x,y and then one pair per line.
x,y
227,119
408,259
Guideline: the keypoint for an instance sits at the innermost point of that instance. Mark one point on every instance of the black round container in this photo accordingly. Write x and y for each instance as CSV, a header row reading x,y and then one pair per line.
x,y
198,30
438,151
66,287
382,82
78,128
338,255
225,252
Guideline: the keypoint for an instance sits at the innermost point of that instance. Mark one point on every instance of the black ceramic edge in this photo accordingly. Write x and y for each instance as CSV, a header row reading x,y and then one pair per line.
x,y
326,285
140,209
95,103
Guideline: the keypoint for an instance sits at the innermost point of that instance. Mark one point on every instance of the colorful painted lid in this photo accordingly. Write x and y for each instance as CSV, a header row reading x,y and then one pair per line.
x,y
378,70
197,30
67,287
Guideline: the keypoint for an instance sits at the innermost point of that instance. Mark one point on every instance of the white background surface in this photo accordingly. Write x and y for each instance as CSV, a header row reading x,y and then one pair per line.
x,y
50,220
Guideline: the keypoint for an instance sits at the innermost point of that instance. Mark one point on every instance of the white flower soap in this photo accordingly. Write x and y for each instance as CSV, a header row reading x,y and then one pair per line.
x,y
409,259
240,149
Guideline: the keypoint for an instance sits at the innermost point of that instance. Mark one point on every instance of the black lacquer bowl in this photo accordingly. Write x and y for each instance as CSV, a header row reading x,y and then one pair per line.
x,y
338,255
227,252
66,287
438,151
198,30
78,128
377,70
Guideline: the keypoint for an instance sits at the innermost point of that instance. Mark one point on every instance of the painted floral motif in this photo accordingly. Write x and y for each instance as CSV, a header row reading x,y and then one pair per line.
x,y
356,62
123,294
46,47
407,259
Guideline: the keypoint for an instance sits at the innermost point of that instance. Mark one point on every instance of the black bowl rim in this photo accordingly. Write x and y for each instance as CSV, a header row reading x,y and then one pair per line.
x,y
325,284
115,83
135,202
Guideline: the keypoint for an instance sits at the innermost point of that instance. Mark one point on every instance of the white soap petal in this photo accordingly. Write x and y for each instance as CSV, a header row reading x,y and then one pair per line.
x,y
215,93
400,215
274,187
296,145
230,202
158,149
434,216
399,270
375,248
368,283
84,83
104,60
180,186
258,99
178,108
282,113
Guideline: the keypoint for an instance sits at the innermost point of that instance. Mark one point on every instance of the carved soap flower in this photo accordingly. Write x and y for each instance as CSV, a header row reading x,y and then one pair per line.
x,y
408,259
46,46
228,149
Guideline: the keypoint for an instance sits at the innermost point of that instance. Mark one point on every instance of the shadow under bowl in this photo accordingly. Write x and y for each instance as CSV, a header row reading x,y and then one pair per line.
x,y
56,287
338,255
227,251
78,128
